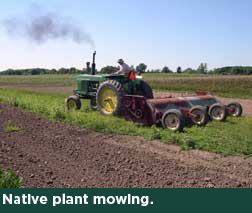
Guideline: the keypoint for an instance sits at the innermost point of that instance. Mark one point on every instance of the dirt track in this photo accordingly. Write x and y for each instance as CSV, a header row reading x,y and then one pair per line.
x,y
48,154
58,89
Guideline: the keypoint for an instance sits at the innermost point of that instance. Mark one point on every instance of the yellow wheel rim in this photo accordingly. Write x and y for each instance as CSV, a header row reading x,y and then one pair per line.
x,y
71,104
108,100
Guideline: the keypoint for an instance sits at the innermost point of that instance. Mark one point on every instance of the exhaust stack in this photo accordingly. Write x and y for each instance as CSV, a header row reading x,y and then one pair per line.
x,y
94,65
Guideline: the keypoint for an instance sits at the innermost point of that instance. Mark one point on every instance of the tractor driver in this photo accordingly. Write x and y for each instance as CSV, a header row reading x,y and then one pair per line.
x,y
124,68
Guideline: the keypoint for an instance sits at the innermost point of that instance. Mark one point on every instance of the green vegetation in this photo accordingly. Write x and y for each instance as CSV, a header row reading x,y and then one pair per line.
x,y
151,76
39,71
166,70
70,80
226,86
230,138
239,70
229,86
11,127
108,70
9,180
141,68
202,69
66,80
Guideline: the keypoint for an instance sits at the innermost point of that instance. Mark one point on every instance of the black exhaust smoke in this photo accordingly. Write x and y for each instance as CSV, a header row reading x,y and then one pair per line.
x,y
41,27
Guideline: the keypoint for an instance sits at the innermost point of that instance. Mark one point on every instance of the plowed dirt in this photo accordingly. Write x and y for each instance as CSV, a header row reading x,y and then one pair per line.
x,y
50,154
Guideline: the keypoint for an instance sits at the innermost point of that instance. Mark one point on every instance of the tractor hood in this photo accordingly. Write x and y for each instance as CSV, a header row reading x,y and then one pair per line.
x,y
92,77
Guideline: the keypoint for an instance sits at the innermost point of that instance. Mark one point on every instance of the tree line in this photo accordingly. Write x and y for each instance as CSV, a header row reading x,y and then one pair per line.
x,y
40,71
141,68
202,69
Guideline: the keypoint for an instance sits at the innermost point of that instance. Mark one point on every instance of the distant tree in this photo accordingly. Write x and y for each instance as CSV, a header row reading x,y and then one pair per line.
x,y
35,72
109,70
202,69
166,70
236,70
62,71
141,68
53,71
73,70
189,71
179,70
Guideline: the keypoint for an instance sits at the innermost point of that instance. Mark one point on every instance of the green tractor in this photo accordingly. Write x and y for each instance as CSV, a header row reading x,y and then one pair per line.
x,y
106,92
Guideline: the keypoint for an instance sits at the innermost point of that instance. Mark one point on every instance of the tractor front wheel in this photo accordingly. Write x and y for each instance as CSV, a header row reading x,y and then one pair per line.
x,y
73,103
109,98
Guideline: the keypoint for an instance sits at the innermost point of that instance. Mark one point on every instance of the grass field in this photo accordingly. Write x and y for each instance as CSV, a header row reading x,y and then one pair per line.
x,y
67,80
70,79
225,86
230,87
230,138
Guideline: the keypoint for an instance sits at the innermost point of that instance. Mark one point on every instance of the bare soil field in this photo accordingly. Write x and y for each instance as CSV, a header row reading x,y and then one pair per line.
x,y
57,89
51,154
68,90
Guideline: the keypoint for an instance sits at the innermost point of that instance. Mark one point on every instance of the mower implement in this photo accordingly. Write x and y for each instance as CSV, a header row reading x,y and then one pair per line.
x,y
174,113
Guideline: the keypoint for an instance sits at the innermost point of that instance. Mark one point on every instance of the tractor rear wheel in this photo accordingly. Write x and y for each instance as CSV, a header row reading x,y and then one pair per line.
x,y
73,103
218,112
109,98
173,120
199,115
146,90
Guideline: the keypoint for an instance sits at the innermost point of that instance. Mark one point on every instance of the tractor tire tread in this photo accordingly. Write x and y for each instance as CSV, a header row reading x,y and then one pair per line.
x,y
120,93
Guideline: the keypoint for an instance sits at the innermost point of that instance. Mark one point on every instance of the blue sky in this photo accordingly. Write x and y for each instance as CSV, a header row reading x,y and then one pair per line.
x,y
157,32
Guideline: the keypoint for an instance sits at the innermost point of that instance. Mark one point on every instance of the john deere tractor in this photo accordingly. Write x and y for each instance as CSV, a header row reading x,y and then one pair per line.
x,y
105,92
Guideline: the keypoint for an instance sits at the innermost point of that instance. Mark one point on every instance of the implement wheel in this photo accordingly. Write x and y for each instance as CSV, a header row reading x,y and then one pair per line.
x,y
218,112
173,120
235,109
109,98
199,115
73,103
